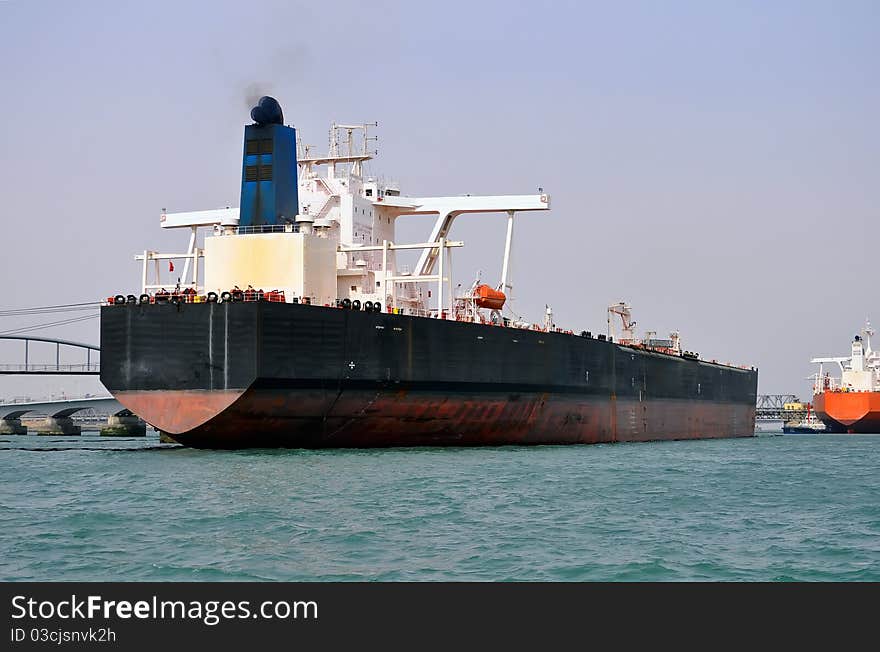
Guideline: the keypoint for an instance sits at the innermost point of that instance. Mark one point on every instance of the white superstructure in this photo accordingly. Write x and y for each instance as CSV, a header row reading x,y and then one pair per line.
x,y
341,244
859,372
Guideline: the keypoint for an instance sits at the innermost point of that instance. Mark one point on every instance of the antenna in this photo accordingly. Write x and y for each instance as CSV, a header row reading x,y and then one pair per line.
x,y
354,155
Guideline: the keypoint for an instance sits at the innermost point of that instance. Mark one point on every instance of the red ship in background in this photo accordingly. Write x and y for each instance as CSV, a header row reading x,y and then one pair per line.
x,y
850,403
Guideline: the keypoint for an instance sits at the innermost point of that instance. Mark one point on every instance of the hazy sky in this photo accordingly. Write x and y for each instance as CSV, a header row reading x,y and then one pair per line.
x,y
715,164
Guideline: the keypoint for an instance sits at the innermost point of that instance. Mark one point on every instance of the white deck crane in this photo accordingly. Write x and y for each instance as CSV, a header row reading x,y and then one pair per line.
x,y
627,334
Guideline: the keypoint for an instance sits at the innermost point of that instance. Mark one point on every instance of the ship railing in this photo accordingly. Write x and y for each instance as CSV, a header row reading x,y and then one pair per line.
x,y
836,385
829,385
272,296
266,228
31,367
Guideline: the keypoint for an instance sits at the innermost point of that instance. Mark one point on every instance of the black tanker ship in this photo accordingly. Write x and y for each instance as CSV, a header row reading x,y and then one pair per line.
x,y
345,350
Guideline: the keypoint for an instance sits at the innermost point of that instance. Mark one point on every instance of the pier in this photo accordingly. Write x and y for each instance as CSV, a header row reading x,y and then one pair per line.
x,y
771,407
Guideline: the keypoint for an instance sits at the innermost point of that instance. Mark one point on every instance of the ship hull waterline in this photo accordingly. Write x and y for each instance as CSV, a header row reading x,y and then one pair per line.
x,y
270,375
849,412
264,417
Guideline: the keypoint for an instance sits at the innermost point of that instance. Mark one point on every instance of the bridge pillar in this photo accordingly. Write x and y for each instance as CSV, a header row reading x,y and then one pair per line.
x,y
59,426
124,425
12,427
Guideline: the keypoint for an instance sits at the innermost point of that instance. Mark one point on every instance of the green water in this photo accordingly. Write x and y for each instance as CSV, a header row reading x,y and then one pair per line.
x,y
792,507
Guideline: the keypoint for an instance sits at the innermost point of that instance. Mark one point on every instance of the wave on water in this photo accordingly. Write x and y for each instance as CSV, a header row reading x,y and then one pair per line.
x,y
760,509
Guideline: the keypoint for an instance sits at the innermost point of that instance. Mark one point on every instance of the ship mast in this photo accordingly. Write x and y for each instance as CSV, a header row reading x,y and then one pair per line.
x,y
872,357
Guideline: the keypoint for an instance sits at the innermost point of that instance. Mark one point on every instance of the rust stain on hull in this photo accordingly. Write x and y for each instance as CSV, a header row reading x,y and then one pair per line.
x,y
178,411
361,418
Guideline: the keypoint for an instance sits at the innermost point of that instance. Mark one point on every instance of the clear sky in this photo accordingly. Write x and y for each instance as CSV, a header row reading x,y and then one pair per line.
x,y
715,164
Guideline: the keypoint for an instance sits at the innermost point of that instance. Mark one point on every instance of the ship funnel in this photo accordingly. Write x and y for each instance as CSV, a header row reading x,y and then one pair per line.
x,y
268,171
267,112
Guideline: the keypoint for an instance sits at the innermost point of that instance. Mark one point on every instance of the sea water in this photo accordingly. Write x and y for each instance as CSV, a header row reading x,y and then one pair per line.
x,y
773,507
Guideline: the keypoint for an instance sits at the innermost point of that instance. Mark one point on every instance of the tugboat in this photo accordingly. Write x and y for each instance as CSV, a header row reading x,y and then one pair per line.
x,y
808,424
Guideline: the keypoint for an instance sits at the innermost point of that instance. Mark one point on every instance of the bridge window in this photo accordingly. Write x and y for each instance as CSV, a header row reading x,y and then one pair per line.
x,y
369,192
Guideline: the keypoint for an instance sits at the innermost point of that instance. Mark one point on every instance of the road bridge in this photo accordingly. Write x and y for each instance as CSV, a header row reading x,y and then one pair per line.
x,y
90,365
58,414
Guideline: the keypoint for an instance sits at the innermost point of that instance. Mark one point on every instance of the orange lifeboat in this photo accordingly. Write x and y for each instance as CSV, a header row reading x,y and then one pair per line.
x,y
486,297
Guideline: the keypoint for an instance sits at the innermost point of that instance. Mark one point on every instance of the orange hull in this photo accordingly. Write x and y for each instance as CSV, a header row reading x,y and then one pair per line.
x,y
849,411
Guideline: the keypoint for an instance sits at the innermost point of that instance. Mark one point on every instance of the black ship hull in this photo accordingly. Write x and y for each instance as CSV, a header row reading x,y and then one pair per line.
x,y
256,374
